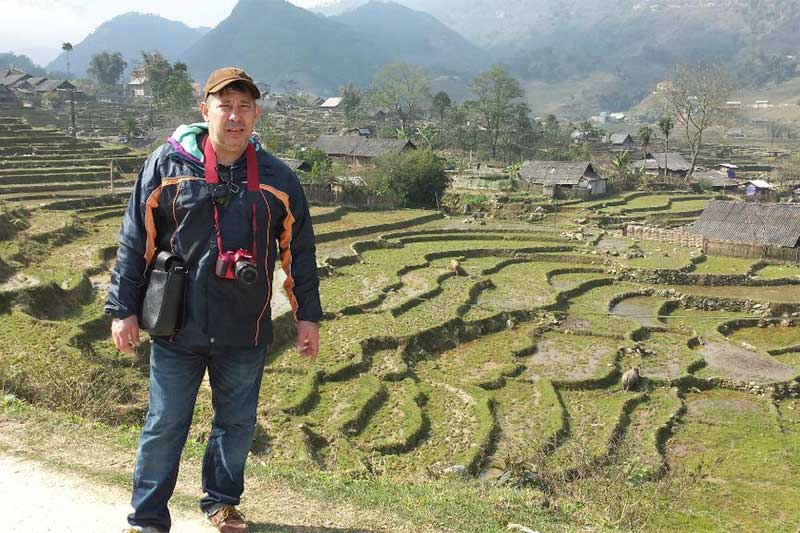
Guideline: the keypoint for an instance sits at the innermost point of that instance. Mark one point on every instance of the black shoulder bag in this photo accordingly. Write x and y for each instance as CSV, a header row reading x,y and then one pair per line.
x,y
163,299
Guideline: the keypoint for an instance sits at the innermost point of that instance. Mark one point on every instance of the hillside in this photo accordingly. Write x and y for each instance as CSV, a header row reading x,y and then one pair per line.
x,y
129,34
415,37
286,45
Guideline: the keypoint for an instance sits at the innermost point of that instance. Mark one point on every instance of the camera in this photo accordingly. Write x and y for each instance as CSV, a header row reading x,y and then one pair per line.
x,y
237,265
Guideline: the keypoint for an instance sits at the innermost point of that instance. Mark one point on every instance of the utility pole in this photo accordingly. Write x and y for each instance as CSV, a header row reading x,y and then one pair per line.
x,y
111,175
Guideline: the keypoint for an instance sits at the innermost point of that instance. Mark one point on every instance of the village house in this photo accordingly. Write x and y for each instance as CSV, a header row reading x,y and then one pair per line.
x,y
722,178
50,86
7,96
357,150
620,141
655,163
562,179
296,164
750,223
758,189
138,86
331,103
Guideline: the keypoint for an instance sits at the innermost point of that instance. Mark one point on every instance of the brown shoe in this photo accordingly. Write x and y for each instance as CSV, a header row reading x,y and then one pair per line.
x,y
229,520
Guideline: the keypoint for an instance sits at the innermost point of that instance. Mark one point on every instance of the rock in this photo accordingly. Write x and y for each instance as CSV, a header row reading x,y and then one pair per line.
x,y
517,527
457,470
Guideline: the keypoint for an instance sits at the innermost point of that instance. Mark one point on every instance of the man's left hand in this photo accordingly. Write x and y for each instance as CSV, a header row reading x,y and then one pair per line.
x,y
307,339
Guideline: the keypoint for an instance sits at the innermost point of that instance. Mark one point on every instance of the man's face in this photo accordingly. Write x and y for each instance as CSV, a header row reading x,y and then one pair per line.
x,y
231,117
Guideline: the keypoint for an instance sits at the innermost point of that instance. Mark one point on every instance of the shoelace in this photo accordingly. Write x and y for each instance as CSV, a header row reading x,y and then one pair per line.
x,y
230,512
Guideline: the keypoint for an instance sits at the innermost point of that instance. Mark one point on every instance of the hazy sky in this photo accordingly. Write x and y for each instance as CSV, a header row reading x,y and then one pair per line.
x,y
37,28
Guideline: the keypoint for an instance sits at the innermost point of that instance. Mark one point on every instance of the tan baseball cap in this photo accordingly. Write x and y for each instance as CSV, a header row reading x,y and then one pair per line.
x,y
222,77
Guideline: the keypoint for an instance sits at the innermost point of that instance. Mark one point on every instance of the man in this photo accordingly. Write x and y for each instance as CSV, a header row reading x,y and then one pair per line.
x,y
212,189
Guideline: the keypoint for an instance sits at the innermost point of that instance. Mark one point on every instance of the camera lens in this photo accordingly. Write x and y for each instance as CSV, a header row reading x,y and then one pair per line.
x,y
245,272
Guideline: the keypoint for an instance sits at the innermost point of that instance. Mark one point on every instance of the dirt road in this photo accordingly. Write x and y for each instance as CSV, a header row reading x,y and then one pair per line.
x,y
44,501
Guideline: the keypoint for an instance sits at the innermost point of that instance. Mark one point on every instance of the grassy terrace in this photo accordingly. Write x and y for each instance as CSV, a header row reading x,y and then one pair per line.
x,y
437,391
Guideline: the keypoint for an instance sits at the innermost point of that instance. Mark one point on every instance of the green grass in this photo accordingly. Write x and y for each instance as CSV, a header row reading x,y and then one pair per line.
x,y
717,264
769,338
753,468
778,271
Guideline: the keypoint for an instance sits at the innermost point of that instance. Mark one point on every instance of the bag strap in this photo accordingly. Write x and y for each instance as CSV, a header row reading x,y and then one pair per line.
x,y
210,163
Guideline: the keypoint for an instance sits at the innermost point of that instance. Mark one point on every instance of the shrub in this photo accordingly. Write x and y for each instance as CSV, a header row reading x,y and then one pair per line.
x,y
414,178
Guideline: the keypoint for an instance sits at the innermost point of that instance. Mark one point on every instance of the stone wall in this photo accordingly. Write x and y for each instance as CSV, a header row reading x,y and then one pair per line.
x,y
674,235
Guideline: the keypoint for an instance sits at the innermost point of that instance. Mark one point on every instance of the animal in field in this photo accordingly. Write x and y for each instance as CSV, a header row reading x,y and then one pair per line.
x,y
456,268
630,379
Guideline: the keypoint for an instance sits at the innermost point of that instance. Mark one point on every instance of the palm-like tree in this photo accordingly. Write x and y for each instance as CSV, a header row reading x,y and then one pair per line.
x,y
665,125
645,134
67,47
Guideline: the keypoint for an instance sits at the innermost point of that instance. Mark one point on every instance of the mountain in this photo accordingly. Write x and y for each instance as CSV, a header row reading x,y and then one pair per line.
x,y
129,34
416,37
21,62
287,46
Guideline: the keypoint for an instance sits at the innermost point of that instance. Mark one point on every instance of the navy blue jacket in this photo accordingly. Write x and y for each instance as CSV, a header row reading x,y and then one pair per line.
x,y
170,208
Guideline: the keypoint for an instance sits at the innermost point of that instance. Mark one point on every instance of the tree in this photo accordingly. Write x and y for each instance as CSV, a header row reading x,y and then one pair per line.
x,y
621,164
403,88
666,125
414,177
171,85
129,128
351,103
496,91
67,47
645,135
441,103
696,98
107,68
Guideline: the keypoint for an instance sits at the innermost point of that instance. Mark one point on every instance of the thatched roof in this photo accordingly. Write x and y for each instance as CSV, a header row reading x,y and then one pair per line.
x,y
355,146
557,172
752,223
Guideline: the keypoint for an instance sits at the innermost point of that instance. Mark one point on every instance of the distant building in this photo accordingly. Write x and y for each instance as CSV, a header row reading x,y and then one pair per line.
x,y
331,103
757,188
139,86
655,163
7,96
562,179
296,164
750,223
355,149
620,140
49,86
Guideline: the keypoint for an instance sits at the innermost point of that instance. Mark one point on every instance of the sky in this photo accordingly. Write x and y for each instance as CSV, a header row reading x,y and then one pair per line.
x,y
37,28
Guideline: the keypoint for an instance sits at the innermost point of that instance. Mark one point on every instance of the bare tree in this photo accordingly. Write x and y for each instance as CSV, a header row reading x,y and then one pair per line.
x,y
696,98
402,88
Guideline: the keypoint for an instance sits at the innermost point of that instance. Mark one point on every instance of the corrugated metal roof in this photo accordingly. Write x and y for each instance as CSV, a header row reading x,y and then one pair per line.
x,y
557,172
752,223
332,102
356,146
296,164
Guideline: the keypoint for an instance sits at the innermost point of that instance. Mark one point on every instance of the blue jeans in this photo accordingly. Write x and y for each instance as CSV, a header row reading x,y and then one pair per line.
x,y
175,376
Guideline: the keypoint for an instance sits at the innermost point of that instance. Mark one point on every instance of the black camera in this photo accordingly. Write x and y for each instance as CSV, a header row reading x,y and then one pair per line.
x,y
237,265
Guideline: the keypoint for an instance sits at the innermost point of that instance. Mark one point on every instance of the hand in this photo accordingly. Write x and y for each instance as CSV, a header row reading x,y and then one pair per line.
x,y
307,339
125,332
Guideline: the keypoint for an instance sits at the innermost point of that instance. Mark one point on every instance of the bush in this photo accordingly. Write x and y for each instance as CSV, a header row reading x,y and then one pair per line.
x,y
414,178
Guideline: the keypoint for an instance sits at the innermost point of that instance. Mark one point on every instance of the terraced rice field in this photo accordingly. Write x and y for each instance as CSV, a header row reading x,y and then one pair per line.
x,y
43,165
514,358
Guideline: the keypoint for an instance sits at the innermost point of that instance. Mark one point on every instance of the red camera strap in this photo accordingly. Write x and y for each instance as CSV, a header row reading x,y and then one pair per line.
x,y
212,178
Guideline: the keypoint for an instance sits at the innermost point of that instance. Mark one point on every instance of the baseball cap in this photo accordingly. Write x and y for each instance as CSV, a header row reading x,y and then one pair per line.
x,y
222,77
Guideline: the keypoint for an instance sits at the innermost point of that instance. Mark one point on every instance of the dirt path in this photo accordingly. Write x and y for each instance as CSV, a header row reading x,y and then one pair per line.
x,y
56,499
45,501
